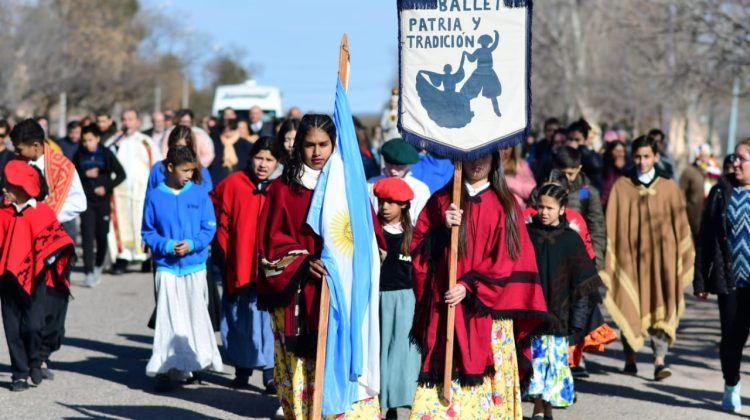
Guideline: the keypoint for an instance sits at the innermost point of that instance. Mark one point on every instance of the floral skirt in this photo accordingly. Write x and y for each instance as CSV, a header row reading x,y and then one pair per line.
x,y
295,381
552,381
498,397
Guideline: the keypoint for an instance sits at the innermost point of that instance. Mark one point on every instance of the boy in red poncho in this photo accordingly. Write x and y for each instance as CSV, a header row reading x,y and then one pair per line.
x,y
34,250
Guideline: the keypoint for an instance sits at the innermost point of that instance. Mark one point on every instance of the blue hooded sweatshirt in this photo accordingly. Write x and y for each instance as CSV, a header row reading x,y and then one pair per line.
x,y
172,216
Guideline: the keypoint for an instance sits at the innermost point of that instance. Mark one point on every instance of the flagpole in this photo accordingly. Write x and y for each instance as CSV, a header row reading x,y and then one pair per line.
x,y
453,267
325,294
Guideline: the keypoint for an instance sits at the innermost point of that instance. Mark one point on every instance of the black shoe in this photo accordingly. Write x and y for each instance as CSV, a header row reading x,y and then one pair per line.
x,y
239,382
36,375
48,374
579,372
271,388
391,414
630,369
19,385
662,372
163,384
119,267
194,379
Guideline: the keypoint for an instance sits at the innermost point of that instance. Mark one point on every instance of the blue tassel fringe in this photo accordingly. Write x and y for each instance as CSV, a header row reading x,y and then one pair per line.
x,y
417,4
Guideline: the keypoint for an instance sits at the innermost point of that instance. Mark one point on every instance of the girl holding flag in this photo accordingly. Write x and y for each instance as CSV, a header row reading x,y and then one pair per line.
x,y
498,297
290,253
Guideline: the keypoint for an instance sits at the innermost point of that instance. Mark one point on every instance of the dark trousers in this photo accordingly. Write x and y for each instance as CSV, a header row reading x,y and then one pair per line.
x,y
23,323
53,331
735,325
94,230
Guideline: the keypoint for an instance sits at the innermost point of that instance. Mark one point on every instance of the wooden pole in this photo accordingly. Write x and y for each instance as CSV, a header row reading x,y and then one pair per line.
x,y
325,294
450,332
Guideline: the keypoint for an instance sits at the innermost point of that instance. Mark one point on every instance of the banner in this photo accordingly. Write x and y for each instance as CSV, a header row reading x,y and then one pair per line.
x,y
465,74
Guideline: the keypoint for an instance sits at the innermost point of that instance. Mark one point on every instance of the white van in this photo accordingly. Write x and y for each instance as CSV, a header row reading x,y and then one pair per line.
x,y
244,96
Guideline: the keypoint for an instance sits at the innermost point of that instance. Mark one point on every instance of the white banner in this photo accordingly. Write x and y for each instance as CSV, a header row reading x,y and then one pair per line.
x,y
464,75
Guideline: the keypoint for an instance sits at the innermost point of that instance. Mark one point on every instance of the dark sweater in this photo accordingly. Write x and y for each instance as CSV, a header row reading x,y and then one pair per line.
x,y
713,253
567,275
108,165
395,273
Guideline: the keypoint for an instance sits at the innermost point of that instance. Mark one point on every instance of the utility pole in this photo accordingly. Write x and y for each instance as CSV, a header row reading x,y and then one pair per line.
x,y
157,97
731,139
62,124
185,92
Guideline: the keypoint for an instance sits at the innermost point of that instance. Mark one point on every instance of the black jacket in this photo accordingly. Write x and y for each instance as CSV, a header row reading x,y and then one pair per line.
x,y
713,255
108,165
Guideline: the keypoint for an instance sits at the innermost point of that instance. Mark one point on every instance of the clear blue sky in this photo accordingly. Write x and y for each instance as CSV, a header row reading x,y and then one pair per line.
x,y
295,44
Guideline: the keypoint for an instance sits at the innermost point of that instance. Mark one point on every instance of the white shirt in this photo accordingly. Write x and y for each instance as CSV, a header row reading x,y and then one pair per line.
x,y
646,178
420,189
75,202
30,203
475,191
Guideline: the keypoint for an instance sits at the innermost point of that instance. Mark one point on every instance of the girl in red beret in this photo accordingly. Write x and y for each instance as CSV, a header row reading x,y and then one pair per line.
x,y
399,359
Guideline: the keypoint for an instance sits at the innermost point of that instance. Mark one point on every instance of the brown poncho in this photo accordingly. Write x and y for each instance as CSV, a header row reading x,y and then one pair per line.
x,y
649,258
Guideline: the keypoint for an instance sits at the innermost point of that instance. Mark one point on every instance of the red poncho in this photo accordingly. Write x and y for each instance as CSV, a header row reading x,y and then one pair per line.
x,y
28,240
497,288
238,203
287,242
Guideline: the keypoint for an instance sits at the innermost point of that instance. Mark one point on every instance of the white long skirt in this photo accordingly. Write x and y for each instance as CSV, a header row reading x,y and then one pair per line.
x,y
184,339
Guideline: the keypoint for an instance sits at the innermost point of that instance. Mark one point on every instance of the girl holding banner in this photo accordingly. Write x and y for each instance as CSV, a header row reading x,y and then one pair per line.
x,y
290,257
498,297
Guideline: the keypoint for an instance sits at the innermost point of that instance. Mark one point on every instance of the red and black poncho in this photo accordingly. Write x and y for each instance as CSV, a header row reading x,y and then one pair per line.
x,y
498,288
35,249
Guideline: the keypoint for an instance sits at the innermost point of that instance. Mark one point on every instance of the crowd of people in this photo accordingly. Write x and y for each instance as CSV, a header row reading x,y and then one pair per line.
x,y
217,211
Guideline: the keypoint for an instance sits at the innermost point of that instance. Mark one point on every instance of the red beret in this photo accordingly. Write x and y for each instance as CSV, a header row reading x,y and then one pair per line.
x,y
393,189
21,174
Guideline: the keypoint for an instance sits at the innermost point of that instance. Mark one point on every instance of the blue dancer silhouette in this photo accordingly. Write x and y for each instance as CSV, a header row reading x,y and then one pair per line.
x,y
484,79
450,108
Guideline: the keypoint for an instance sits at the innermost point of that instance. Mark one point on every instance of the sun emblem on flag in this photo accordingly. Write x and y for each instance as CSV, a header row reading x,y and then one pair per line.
x,y
341,232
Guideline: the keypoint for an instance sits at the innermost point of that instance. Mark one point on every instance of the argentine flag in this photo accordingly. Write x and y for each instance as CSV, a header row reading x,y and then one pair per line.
x,y
340,213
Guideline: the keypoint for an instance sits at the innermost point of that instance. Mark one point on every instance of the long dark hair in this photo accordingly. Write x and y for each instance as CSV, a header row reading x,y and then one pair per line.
x,y
408,226
510,209
289,124
263,143
608,156
294,166
556,192
180,155
180,132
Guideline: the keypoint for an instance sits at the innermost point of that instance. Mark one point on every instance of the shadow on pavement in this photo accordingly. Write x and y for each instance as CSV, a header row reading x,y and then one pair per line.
x,y
127,368
132,412
706,402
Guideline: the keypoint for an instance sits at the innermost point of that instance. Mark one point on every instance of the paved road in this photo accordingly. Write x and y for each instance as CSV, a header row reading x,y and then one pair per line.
x,y
100,371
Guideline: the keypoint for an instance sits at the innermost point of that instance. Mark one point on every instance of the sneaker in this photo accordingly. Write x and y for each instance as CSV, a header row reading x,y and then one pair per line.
x,y
36,375
98,273
731,401
19,385
630,369
91,280
662,372
47,374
